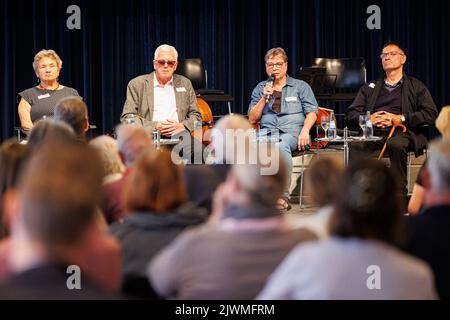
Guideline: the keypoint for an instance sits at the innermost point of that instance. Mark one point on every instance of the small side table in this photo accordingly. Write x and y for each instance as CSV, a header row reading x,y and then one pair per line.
x,y
345,140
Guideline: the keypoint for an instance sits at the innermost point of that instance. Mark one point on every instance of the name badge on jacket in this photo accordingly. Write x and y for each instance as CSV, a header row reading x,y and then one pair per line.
x,y
291,99
181,89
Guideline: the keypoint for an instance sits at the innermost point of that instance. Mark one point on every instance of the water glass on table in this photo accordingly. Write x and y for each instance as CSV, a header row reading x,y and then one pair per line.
x,y
362,124
325,124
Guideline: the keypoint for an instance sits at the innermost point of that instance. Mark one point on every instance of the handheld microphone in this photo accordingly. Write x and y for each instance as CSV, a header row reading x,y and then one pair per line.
x,y
270,81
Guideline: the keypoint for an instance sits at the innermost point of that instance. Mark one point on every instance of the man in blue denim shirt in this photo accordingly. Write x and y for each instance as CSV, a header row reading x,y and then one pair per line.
x,y
287,108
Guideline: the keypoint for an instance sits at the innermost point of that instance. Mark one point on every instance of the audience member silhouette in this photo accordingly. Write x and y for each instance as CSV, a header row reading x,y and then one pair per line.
x,y
359,261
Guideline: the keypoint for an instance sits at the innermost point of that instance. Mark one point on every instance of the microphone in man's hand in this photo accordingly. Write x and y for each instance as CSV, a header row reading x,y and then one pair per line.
x,y
270,81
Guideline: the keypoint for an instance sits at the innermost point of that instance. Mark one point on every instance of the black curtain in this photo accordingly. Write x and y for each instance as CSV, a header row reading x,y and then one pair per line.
x,y
118,37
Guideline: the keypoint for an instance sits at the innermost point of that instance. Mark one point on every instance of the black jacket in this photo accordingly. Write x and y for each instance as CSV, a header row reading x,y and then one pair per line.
x,y
429,239
417,106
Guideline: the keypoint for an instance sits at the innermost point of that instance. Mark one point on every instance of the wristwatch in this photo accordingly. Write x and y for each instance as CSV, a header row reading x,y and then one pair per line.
x,y
402,118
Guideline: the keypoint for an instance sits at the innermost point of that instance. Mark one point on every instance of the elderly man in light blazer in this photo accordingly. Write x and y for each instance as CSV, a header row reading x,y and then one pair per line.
x,y
165,101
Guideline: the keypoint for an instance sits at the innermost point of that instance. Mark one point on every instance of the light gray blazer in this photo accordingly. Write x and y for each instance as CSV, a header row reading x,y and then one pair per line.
x,y
140,100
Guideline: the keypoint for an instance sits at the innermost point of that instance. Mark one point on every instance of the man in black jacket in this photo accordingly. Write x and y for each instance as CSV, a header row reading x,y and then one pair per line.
x,y
394,98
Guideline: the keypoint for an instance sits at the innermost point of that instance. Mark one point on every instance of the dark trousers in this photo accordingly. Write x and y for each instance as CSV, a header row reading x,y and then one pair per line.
x,y
397,150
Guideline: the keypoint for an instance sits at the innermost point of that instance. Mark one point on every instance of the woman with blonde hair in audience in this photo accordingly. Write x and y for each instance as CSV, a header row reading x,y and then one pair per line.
x,y
418,193
109,153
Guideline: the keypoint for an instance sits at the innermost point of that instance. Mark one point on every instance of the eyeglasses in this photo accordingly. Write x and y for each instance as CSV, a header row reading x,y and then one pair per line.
x,y
390,54
271,65
162,63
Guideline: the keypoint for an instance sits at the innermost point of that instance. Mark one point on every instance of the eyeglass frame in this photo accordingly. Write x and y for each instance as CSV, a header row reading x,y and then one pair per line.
x,y
162,62
271,65
390,54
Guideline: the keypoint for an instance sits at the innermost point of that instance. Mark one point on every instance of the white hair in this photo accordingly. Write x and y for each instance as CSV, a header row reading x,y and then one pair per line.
x,y
166,47
438,165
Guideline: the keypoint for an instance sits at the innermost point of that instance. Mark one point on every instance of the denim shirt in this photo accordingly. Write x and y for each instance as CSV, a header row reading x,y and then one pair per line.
x,y
297,100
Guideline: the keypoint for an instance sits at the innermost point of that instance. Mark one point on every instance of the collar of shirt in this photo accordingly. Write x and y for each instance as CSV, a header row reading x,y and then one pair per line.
x,y
157,84
393,86
289,81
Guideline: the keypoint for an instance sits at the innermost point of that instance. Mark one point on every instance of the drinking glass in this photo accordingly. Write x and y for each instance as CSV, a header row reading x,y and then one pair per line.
x,y
131,118
325,124
362,124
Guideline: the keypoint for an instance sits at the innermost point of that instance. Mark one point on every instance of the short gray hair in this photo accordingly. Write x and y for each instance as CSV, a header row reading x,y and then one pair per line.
x,y
44,53
131,141
109,153
166,47
438,165
276,52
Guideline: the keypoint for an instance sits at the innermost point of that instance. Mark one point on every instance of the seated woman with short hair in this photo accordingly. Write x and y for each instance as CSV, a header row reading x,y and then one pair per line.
x,y
39,102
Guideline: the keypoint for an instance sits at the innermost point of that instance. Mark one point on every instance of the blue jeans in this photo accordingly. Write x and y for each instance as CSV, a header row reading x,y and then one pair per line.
x,y
287,144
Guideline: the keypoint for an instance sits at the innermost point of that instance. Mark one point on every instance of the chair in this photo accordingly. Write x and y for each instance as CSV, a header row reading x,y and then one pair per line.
x,y
21,132
343,78
314,76
413,165
313,150
194,70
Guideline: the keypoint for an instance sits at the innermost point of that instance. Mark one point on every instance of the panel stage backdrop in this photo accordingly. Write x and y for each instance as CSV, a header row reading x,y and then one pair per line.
x,y
118,37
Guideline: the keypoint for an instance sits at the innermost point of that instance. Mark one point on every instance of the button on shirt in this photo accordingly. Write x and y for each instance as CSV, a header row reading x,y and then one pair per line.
x,y
165,106
297,100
